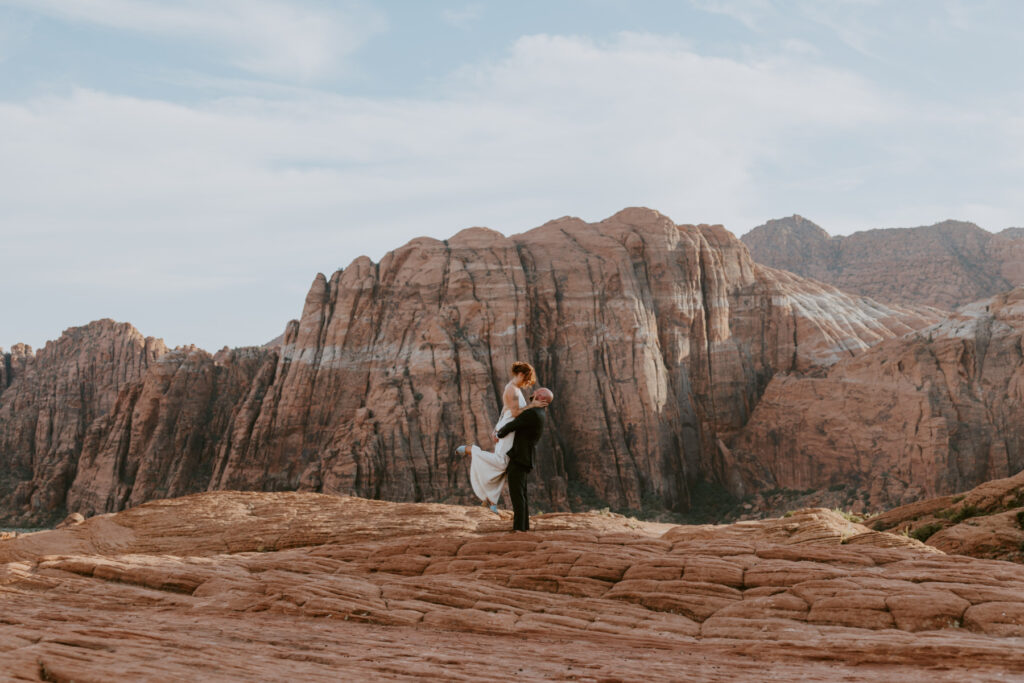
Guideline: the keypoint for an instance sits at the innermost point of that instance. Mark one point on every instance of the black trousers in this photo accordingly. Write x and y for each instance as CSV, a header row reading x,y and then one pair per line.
x,y
517,492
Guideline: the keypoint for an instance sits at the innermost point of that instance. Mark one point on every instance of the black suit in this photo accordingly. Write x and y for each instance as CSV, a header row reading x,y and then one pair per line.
x,y
528,428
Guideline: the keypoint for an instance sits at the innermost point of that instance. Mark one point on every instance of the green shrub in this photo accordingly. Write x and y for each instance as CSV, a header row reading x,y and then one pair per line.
x,y
957,515
923,533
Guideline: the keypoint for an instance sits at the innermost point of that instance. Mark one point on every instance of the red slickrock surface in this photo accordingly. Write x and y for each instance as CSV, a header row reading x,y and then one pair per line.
x,y
657,340
945,265
929,414
987,521
286,586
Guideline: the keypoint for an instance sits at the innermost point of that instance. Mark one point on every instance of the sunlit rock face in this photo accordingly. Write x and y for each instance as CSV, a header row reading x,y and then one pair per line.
x,y
934,412
945,265
657,339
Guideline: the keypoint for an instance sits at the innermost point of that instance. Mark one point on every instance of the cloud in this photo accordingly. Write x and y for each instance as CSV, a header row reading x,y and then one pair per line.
x,y
262,191
641,116
747,12
464,17
267,37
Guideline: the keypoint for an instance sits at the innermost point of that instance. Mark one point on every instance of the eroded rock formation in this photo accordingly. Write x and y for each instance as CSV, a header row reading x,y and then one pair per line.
x,y
657,339
165,433
944,265
53,399
230,586
14,363
987,521
935,412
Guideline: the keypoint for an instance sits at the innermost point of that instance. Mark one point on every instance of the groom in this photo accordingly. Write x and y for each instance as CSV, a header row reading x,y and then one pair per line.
x,y
528,428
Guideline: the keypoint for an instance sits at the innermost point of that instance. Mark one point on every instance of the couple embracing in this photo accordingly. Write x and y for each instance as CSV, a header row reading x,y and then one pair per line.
x,y
515,438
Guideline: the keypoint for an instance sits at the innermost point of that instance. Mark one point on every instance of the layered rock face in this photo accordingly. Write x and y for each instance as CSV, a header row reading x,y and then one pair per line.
x,y
944,265
164,435
987,521
233,586
656,339
53,399
935,412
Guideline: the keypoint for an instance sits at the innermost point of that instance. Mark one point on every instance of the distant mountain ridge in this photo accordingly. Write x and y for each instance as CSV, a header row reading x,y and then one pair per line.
x,y
945,265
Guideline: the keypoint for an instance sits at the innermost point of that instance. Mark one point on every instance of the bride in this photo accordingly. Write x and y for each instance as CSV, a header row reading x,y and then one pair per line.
x,y
487,469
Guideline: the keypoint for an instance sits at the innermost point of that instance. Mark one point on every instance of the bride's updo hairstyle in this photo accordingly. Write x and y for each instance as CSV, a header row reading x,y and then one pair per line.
x,y
520,367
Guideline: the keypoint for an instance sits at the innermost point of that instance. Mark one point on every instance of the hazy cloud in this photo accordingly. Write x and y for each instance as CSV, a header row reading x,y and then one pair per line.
x,y
250,196
463,17
268,37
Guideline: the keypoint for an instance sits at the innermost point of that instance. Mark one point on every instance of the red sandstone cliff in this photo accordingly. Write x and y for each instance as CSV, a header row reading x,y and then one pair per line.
x,y
165,433
13,364
54,397
932,413
657,340
945,265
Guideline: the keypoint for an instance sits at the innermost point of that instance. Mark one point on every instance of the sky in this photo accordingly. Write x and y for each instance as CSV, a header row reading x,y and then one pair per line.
x,y
190,165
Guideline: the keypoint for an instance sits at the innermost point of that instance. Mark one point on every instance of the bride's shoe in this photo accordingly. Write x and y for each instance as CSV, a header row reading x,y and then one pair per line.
x,y
461,450
494,508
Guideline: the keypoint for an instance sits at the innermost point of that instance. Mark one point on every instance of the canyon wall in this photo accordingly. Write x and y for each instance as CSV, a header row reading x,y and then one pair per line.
x,y
657,340
935,412
163,436
945,265
54,397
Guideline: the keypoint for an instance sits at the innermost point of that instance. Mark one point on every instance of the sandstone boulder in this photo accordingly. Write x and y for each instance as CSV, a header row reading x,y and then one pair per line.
x,y
71,520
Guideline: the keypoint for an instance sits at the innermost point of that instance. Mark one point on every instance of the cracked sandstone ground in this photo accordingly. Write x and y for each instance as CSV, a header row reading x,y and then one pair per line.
x,y
229,586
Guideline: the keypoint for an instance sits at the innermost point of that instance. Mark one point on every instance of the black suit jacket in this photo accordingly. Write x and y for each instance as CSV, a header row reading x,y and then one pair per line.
x,y
528,428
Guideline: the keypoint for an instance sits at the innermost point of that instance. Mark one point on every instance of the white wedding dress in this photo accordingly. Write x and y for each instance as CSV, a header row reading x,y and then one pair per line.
x,y
487,469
